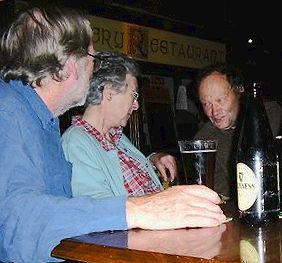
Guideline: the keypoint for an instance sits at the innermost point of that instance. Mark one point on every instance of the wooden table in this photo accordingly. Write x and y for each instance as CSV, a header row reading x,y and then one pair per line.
x,y
231,242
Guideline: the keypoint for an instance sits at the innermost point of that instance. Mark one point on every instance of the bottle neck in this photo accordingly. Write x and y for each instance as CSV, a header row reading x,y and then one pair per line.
x,y
255,92
256,89
255,118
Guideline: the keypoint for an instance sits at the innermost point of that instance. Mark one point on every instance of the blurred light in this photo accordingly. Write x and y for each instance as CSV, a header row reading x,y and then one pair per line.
x,y
250,40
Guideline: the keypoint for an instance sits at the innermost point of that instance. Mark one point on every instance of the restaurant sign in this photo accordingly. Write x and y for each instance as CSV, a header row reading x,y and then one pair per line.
x,y
154,45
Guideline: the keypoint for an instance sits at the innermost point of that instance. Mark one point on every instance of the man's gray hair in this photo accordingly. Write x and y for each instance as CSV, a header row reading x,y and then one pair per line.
x,y
39,42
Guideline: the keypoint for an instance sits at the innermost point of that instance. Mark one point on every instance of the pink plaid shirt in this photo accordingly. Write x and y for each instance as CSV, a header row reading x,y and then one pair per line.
x,y
136,179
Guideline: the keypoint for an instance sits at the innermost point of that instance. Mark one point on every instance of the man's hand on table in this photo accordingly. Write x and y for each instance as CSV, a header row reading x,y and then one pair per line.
x,y
177,207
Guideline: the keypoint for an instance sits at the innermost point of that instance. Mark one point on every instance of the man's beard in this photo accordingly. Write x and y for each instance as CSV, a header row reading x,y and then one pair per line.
x,y
65,107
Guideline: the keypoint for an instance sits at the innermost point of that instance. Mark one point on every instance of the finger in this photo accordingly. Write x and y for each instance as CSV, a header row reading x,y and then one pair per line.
x,y
201,191
162,170
190,221
196,200
172,171
205,221
170,164
203,207
193,204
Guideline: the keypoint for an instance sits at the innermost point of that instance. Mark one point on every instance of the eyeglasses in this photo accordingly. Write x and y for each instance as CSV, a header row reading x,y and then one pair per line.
x,y
135,95
96,62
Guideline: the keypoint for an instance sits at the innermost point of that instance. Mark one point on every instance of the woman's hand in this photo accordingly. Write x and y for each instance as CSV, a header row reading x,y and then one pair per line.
x,y
166,164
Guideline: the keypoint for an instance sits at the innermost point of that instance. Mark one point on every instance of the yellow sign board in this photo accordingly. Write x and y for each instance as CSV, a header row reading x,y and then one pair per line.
x,y
154,45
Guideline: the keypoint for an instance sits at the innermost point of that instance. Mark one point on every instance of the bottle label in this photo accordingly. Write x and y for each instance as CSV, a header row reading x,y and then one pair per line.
x,y
247,186
248,253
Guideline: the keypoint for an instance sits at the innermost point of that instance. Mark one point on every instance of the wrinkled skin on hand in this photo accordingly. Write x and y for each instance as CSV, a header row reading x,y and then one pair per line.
x,y
177,207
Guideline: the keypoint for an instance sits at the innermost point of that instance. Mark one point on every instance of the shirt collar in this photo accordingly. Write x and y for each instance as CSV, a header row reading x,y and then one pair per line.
x,y
115,133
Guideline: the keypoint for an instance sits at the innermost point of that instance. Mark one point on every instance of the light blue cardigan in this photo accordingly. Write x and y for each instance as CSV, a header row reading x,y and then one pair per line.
x,y
96,172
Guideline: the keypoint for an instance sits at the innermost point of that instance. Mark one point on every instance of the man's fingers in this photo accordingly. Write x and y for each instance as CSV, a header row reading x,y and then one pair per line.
x,y
201,191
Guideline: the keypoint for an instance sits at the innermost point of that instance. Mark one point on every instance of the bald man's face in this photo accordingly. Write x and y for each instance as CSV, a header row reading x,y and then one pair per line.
x,y
220,102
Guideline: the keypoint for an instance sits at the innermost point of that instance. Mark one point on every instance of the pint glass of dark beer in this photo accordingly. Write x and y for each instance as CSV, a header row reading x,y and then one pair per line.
x,y
198,157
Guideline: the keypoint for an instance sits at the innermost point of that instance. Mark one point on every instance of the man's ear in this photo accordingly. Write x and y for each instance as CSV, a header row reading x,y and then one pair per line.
x,y
70,68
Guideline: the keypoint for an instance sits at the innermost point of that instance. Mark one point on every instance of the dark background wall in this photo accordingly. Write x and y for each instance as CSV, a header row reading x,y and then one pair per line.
x,y
6,13
230,22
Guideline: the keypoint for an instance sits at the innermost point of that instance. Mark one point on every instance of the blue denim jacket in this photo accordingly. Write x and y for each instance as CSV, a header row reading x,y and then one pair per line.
x,y
37,210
